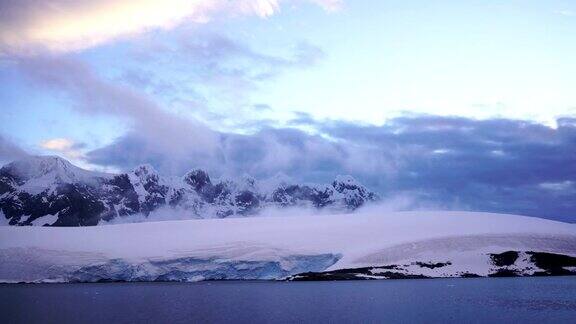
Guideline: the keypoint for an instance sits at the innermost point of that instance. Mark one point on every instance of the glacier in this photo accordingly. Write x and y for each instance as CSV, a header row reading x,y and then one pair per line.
x,y
39,265
369,244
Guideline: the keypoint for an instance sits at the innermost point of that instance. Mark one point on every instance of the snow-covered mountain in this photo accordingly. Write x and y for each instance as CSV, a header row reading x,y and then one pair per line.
x,y
49,190
367,245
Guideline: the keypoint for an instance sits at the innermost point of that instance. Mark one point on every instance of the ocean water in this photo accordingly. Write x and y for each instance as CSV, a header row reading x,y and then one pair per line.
x,y
511,300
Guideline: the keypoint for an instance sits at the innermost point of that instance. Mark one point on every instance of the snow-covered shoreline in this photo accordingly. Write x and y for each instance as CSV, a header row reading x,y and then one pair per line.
x,y
278,247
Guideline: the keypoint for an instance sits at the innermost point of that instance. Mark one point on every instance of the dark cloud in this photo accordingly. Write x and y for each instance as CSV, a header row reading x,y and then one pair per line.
x,y
157,131
509,152
494,165
93,95
263,154
9,151
262,107
302,118
136,147
498,165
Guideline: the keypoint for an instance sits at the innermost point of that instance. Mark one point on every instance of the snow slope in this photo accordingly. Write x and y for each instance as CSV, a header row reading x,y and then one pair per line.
x,y
47,172
277,247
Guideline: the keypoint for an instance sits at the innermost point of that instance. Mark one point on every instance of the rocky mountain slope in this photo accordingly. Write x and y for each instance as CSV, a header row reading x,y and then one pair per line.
x,y
49,190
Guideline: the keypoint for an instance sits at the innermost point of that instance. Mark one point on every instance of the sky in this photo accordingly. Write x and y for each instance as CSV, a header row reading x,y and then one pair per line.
x,y
458,104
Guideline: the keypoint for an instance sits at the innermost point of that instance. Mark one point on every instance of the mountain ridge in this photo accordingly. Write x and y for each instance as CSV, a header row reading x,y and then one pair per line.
x,y
39,186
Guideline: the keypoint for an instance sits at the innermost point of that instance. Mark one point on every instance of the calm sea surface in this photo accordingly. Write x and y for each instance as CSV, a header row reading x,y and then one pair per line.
x,y
512,300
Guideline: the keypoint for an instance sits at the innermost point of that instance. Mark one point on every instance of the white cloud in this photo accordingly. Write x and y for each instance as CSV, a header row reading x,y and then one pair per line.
x,y
557,186
63,146
57,144
567,13
329,5
31,26
159,129
9,151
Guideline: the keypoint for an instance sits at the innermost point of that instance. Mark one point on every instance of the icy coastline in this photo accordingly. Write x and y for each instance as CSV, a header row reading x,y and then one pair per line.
x,y
388,245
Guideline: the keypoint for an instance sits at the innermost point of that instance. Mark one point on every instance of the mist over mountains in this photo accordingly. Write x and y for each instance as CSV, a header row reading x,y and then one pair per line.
x,y
48,190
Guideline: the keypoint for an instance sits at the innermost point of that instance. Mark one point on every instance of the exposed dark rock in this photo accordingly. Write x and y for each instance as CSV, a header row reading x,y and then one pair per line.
x,y
432,265
505,273
469,275
504,259
81,198
120,197
355,194
7,183
366,273
198,179
247,202
553,264
290,195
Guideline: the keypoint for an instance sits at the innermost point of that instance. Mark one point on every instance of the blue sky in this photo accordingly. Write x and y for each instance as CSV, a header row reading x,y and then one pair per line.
x,y
307,88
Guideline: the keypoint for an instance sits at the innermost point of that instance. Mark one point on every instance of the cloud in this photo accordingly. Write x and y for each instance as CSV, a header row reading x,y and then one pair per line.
x,y
214,65
9,151
567,13
211,74
223,55
219,63
497,165
31,26
330,5
94,95
63,146
262,154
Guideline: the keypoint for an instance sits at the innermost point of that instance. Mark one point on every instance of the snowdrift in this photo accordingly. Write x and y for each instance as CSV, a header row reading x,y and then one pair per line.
x,y
365,245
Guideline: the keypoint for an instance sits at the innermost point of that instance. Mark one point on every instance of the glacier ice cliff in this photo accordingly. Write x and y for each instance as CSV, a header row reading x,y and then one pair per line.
x,y
367,245
39,265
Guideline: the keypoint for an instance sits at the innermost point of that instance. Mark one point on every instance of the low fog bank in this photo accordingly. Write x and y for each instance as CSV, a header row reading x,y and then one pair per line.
x,y
392,204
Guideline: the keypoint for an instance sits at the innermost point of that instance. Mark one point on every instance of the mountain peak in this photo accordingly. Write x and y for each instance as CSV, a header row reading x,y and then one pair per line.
x,y
37,173
34,167
346,182
145,171
39,186
145,167
197,178
346,179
